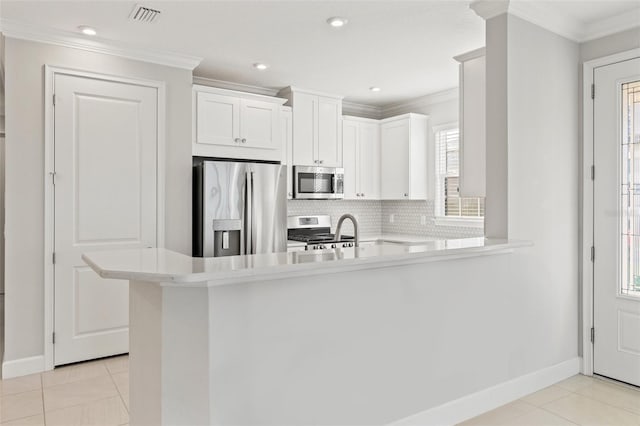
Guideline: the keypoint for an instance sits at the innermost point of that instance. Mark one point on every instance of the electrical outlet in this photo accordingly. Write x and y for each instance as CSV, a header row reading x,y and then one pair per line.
x,y
423,220
392,218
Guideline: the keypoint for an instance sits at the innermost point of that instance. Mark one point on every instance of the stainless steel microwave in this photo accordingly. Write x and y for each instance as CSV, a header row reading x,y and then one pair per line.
x,y
318,183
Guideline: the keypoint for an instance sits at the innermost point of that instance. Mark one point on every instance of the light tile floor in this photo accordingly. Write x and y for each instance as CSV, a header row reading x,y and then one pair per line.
x,y
89,393
579,400
97,393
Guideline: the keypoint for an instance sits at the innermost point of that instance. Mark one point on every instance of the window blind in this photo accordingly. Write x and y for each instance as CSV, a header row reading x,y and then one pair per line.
x,y
448,200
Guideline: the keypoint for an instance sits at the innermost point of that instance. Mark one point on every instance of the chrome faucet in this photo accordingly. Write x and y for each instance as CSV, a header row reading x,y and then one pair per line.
x,y
355,228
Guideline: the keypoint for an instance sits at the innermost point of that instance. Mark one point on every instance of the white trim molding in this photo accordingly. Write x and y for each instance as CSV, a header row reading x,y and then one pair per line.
x,y
361,110
586,231
420,102
39,34
22,367
545,15
469,406
48,361
238,87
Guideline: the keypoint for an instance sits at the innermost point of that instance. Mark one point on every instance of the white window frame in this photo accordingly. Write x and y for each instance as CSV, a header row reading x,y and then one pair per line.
x,y
439,218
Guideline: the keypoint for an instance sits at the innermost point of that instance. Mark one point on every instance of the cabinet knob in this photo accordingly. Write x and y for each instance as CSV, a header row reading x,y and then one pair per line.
x,y
321,161
244,140
237,140
290,194
362,195
406,195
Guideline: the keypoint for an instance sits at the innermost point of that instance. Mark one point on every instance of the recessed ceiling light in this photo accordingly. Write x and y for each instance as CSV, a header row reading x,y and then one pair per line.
x,y
87,30
374,89
337,21
260,66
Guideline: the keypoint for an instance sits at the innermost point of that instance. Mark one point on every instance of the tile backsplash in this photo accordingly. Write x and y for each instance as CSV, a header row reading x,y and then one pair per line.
x,y
373,217
417,218
367,213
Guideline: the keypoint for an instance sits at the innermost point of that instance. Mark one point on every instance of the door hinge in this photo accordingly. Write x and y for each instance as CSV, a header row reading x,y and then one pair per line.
x,y
593,335
593,91
593,172
593,253
54,99
53,257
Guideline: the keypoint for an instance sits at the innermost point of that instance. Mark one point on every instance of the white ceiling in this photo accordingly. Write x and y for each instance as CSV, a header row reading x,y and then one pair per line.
x,y
404,47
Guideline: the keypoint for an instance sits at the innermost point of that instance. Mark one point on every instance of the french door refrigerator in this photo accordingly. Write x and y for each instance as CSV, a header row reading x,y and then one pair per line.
x,y
238,208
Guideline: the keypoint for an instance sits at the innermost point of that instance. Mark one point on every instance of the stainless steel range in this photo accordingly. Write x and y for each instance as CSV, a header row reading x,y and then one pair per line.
x,y
315,231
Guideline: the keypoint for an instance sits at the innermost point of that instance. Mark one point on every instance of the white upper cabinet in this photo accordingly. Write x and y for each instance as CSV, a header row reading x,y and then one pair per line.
x,y
317,127
286,120
239,125
472,123
361,158
404,160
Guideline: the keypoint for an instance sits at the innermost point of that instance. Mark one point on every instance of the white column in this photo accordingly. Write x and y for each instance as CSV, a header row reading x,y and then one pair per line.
x,y
169,355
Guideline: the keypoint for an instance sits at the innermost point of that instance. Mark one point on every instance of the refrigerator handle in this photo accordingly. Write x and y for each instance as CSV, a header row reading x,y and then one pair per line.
x,y
252,229
248,222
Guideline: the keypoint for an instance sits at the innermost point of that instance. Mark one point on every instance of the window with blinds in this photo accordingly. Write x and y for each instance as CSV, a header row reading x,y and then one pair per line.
x,y
448,200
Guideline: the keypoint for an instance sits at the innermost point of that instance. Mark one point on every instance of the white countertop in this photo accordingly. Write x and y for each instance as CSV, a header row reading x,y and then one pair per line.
x,y
171,268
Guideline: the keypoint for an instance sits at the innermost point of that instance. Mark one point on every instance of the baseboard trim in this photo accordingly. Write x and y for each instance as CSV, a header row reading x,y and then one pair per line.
x,y
469,406
22,366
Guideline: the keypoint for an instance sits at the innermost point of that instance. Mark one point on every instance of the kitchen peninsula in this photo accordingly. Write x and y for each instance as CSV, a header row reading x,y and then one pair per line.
x,y
344,336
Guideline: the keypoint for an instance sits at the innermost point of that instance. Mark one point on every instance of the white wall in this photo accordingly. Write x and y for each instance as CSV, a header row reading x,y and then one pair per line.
x,y
541,164
25,167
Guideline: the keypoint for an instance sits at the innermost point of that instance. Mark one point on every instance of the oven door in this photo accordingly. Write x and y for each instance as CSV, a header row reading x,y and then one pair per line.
x,y
318,182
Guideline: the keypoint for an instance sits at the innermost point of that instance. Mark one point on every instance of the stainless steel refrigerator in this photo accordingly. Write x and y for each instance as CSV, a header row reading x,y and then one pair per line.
x,y
238,208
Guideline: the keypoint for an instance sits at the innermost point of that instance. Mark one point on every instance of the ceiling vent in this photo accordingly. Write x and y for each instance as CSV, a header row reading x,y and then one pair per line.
x,y
144,14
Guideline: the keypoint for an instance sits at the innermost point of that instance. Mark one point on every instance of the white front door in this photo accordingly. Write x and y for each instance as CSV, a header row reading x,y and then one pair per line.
x,y
617,221
105,199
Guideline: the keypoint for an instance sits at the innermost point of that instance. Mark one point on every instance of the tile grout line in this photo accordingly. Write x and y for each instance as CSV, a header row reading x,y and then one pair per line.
x,y
588,397
44,412
126,406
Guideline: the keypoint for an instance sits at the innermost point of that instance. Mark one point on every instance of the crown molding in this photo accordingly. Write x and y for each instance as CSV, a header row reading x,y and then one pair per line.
x,y
421,102
361,110
478,53
615,24
488,9
29,32
543,14
238,87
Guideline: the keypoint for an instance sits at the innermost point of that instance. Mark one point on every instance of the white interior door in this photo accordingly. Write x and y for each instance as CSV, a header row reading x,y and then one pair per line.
x,y
105,199
617,221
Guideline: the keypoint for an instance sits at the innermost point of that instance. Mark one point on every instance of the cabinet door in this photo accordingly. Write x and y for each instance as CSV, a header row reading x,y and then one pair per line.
x,y
394,183
287,142
304,129
350,160
259,127
369,161
329,132
218,119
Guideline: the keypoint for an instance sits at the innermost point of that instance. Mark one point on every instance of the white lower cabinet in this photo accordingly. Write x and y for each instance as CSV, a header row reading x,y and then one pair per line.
x,y
404,159
361,158
231,124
